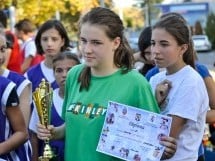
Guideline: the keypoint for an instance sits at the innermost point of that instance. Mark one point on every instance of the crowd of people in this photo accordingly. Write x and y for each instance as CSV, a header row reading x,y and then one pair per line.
x,y
171,83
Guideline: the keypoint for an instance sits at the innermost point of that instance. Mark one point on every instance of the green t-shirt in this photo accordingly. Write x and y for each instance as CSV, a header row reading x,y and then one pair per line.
x,y
84,111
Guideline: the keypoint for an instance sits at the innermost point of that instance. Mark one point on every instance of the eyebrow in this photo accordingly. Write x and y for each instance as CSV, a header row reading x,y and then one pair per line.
x,y
164,41
93,40
161,41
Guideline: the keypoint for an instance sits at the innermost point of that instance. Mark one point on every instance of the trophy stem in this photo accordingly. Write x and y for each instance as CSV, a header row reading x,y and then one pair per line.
x,y
43,100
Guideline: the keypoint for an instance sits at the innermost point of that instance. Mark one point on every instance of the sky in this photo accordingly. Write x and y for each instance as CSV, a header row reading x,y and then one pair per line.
x,y
123,3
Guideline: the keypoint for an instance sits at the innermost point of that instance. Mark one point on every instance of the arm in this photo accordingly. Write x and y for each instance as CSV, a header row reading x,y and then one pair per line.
x,y
169,141
20,134
161,92
34,144
33,134
177,125
7,57
210,85
26,64
24,99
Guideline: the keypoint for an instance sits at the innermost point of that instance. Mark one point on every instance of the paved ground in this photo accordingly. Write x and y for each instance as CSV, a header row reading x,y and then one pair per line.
x,y
208,59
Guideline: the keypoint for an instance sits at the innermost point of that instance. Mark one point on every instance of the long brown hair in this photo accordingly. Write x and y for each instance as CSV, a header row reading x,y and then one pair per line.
x,y
113,26
176,25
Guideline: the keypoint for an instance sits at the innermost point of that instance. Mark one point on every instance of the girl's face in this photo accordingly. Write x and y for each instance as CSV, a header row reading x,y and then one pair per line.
x,y
3,49
97,48
148,56
51,42
61,69
166,51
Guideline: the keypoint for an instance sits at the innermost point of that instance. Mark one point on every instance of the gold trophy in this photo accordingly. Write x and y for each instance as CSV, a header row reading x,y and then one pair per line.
x,y
42,97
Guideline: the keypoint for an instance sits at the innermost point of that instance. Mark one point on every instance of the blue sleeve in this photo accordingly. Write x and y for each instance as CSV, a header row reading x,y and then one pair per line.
x,y
202,70
152,72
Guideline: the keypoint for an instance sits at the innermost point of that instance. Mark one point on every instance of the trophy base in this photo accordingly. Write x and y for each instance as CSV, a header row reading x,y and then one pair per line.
x,y
48,159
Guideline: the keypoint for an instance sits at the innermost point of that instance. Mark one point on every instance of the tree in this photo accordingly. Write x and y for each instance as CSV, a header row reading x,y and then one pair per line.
x,y
4,4
198,28
38,10
148,9
210,26
41,10
133,18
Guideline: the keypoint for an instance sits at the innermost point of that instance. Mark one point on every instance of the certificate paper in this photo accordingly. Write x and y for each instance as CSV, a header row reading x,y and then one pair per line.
x,y
133,134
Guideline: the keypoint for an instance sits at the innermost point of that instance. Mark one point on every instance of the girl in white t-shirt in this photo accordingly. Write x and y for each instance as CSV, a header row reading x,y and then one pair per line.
x,y
180,90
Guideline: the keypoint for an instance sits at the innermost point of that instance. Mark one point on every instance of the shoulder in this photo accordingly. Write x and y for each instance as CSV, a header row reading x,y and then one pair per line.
x,y
76,70
30,43
202,70
4,81
190,73
189,77
16,76
134,73
33,69
158,76
152,72
20,80
136,78
6,85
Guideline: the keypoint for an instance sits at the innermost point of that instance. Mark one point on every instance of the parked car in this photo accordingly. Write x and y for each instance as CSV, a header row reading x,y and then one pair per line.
x,y
201,43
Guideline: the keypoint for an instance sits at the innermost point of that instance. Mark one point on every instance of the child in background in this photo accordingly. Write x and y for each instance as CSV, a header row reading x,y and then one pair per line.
x,y
13,132
23,88
24,30
13,57
50,40
144,55
61,65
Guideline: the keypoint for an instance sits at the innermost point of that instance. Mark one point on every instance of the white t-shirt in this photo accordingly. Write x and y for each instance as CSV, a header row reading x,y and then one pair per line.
x,y
29,48
58,104
187,99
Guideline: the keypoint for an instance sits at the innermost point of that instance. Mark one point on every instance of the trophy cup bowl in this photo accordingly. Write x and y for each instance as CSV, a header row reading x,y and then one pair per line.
x,y
42,97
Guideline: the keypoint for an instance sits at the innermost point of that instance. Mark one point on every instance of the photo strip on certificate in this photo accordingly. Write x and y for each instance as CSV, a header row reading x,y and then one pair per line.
x,y
133,134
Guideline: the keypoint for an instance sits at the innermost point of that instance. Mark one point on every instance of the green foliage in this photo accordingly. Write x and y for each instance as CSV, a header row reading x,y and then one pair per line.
x,y
5,3
210,26
38,11
133,18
